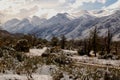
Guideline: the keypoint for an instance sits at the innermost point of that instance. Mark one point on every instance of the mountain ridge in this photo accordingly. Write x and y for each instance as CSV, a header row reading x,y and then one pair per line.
x,y
65,24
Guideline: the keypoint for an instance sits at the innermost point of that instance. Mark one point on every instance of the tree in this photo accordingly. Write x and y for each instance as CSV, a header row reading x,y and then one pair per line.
x,y
71,44
62,42
109,41
94,38
89,46
1,53
85,46
54,41
115,45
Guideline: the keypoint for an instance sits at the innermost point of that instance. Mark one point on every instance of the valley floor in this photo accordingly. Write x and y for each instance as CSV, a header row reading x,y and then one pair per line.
x,y
44,71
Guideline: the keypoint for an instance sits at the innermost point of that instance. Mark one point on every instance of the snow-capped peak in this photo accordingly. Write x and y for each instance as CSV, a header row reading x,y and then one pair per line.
x,y
37,20
63,16
60,18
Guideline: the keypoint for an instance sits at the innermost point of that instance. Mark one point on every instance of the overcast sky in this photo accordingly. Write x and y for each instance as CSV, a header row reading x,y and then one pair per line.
x,y
47,8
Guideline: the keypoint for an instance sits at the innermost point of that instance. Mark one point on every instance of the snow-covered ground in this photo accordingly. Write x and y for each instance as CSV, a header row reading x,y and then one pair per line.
x,y
70,51
42,73
47,69
36,52
23,77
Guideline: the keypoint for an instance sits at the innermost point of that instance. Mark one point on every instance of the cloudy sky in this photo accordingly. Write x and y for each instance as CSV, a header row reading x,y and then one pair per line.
x,y
47,8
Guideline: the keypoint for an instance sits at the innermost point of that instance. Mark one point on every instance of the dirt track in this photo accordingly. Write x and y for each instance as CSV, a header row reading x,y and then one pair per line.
x,y
96,65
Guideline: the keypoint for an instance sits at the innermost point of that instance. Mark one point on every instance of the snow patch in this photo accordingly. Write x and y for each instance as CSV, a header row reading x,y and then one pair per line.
x,y
23,77
36,52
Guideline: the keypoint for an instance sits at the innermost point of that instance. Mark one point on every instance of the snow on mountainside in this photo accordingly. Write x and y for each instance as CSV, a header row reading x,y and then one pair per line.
x,y
52,25
85,22
111,21
76,25
81,26
60,18
62,25
10,24
22,26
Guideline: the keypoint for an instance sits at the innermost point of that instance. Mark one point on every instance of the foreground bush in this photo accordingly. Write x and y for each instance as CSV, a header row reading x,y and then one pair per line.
x,y
22,45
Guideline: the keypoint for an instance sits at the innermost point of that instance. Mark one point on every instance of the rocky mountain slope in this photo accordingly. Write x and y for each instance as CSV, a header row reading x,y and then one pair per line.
x,y
66,24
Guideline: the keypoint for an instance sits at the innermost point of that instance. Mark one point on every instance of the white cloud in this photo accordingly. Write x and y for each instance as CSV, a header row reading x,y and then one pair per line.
x,y
62,1
27,12
25,8
44,8
102,1
45,13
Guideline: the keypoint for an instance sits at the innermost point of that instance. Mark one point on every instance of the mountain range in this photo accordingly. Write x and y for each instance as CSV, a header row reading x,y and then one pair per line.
x,y
73,26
